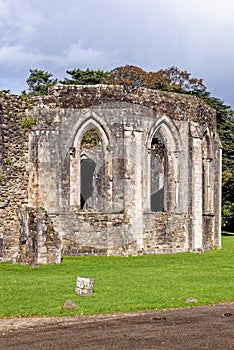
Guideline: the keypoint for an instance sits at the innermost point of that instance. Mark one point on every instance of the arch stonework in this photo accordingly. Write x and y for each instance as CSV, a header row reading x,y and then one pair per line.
x,y
75,159
171,140
117,218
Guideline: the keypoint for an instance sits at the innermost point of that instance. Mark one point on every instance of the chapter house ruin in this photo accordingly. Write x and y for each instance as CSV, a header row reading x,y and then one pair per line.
x,y
96,170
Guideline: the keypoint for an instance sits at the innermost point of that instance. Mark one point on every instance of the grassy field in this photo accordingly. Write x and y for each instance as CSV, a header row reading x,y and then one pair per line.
x,y
122,284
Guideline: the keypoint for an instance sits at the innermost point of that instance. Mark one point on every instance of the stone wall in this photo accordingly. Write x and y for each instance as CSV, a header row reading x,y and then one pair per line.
x,y
175,106
13,171
40,174
95,234
39,243
171,233
15,127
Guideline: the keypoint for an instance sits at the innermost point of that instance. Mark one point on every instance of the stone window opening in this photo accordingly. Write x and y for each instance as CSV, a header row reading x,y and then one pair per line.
x,y
89,176
157,166
91,169
164,167
87,169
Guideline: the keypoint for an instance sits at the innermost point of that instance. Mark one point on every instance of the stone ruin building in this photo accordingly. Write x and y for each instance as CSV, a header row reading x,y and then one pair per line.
x,y
96,170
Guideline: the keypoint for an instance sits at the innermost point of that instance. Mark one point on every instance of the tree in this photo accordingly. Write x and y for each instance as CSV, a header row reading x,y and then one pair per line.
x,y
39,81
5,91
84,77
130,76
175,80
172,79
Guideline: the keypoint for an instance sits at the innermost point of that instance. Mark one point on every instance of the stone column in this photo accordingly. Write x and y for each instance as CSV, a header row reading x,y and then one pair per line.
x,y
148,179
196,192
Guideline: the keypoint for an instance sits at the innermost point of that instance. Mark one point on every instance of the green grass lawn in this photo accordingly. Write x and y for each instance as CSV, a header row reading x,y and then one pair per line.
x,y
121,283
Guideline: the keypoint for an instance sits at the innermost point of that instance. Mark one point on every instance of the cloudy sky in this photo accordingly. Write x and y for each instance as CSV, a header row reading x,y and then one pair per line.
x,y
57,35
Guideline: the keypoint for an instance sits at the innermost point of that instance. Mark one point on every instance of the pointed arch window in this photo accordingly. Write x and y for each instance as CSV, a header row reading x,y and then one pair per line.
x,y
158,169
163,167
89,173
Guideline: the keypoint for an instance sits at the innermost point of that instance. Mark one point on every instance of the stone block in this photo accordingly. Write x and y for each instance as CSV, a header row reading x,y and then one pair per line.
x,y
69,305
84,286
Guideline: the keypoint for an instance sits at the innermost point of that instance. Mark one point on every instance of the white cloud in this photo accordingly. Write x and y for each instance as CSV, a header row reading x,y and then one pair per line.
x,y
78,54
56,35
4,8
18,21
18,56
15,62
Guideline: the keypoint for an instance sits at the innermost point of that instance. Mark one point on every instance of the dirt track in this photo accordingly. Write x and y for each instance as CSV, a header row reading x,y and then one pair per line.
x,y
207,327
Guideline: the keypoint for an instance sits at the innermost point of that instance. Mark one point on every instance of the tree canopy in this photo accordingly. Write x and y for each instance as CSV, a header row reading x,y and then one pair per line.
x,y
39,81
172,79
84,77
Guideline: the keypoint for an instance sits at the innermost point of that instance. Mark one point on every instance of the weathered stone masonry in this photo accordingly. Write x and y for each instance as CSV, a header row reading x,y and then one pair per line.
x,y
150,183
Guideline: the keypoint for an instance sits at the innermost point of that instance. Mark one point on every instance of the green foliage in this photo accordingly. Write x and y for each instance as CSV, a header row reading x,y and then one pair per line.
x,y
84,77
175,80
157,145
122,284
27,123
228,214
5,91
91,137
39,81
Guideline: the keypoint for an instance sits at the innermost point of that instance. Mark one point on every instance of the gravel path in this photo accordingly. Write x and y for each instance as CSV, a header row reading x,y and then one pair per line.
x,y
205,327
